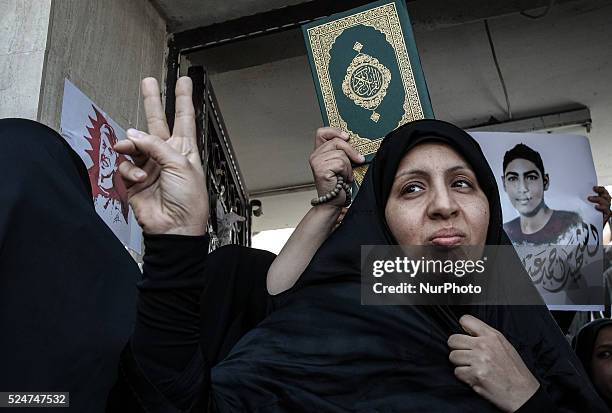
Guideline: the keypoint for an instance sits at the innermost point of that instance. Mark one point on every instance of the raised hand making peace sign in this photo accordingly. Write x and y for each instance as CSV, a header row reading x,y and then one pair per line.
x,y
166,182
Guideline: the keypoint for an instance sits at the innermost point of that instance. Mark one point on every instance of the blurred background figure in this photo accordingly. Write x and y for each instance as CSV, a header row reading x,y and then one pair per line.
x,y
593,345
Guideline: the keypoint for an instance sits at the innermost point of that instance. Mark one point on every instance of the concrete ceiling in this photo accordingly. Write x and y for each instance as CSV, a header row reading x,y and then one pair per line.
x,y
188,14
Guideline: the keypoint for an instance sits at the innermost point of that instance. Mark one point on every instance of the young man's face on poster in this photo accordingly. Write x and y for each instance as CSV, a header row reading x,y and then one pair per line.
x,y
525,186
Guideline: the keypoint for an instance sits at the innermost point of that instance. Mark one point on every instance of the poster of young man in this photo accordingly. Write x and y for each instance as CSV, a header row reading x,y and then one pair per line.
x,y
92,134
556,231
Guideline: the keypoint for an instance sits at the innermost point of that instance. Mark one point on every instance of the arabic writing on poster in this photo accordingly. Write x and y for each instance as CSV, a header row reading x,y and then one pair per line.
x,y
558,267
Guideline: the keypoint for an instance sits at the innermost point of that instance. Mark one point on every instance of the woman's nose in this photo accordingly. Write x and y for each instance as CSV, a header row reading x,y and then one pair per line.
x,y
442,205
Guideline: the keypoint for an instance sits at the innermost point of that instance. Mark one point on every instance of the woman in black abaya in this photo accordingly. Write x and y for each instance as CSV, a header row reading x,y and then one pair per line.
x,y
593,346
315,347
67,285
320,348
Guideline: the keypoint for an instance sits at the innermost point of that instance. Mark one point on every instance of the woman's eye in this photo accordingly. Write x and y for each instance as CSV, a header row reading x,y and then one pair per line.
x,y
412,188
604,355
462,183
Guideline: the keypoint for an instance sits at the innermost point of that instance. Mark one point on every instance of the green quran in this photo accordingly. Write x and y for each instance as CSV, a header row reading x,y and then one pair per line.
x,y
367,73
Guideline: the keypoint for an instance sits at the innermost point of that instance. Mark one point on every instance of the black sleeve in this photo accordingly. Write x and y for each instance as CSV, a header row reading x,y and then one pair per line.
x,y
564,319
161,368
538,403
235,299
192,309
167,331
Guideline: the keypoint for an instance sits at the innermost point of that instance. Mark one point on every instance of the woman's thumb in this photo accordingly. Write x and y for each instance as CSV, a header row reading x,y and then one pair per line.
x,y
155,148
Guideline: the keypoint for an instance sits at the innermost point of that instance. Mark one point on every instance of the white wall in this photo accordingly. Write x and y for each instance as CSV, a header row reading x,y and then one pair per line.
x,y
282,210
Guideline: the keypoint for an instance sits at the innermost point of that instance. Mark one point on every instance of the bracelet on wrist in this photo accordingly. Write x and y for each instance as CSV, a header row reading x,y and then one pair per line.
x,y
340,185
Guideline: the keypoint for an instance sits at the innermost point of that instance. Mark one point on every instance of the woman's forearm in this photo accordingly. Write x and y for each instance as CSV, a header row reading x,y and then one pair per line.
x,y
332,158
165,342
295,256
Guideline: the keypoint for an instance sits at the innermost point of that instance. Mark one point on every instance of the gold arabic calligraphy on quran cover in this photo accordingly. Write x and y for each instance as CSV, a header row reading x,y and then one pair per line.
x,y
367,73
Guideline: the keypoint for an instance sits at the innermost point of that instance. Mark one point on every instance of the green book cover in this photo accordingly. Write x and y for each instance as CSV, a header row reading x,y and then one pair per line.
x,y
367,73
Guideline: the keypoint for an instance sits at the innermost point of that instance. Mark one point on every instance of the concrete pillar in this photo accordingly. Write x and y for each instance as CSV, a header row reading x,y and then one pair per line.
x,y
104,47
23,37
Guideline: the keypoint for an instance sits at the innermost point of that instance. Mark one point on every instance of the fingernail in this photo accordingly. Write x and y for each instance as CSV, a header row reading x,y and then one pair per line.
x,y
134,133
361,158
139,174
344,135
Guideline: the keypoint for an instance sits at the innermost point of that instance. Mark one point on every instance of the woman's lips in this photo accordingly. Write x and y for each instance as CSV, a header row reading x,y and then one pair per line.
x,y
447,241
447,237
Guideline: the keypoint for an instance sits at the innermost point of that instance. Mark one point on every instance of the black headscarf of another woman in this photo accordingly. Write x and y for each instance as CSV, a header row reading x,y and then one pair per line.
x,y
67,285
584,344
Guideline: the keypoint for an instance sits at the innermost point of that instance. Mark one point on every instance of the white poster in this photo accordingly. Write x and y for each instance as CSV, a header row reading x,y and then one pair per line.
x,y
92,134
544,181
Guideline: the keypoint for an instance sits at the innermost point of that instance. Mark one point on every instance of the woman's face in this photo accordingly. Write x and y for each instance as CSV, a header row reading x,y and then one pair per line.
x,y
436,200
601,363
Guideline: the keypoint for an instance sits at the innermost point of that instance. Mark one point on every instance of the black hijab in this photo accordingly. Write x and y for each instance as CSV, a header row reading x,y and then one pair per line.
x,y
67,284
584,343
321,348
365,223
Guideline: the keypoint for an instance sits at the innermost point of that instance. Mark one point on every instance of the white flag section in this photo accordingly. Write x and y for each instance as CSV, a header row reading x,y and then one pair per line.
x,y
92,134
544,181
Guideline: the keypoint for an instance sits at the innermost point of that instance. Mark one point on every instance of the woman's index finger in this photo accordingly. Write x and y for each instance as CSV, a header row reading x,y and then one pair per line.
x,y
328,133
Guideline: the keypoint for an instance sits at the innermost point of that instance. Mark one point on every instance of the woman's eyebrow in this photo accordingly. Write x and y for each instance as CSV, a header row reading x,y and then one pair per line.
x,y
422,172
605,346
413,171
458,168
